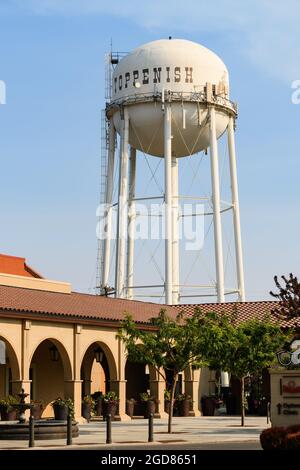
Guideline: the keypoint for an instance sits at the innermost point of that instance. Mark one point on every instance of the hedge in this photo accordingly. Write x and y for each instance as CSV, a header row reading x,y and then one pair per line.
x,y
279,438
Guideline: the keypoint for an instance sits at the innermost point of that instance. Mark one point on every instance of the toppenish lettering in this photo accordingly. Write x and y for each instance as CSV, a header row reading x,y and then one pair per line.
x,y
127,78
145,76
168,74
135,76
177,74
156,74
188,74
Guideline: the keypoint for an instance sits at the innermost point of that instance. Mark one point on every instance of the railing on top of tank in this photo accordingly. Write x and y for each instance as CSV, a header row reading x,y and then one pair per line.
x,y
197,97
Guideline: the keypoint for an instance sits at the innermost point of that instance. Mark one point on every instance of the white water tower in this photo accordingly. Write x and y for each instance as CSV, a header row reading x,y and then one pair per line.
x,y
169,99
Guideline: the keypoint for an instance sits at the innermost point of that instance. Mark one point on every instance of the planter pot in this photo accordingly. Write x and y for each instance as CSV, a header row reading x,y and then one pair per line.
x,y
98,407
109,408
60,412
139,408
167,406
230,402
130,408
149,407
8,415
86,410
37,411
184,408
208,406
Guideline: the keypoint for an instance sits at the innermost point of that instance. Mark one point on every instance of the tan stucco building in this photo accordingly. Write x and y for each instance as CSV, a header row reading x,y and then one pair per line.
x,y
51,335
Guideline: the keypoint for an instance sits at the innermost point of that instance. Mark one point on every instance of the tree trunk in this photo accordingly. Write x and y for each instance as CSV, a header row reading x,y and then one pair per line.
x,y
174,381
242,383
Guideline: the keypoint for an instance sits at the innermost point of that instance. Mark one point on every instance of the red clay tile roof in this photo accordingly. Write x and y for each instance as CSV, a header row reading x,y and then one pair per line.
x,y
17,266
93,307
243,310
83,306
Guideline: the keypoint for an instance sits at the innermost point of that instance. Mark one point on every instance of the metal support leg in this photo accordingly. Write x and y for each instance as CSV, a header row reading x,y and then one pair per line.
x,y
175,231
122,209
236,211
108,202
216,206
131,223
168,204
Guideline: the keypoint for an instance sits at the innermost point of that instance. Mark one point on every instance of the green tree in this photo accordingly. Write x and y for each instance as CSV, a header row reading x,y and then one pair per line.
x,y
240,349
288,296
171,344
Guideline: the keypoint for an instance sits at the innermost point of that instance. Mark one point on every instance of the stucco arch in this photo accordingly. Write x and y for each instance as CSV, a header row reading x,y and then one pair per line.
x,y
13,359
153,372
67,365
112,365
137,378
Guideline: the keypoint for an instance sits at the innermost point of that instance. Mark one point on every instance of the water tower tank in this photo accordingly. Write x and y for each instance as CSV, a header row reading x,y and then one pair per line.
x,y
169,98
182,68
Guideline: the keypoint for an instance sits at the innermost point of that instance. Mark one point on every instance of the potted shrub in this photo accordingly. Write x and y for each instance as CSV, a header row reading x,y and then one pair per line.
x,y
110,404
37,408
281,438
61,408
97,397
87,406
130,407
208,404
184,404
149,403
7,410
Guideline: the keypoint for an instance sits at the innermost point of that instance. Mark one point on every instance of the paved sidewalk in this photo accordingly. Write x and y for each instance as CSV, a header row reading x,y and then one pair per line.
x,y
212,429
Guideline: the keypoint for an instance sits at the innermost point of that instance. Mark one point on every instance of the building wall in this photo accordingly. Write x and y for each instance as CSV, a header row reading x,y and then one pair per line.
x,y
28,343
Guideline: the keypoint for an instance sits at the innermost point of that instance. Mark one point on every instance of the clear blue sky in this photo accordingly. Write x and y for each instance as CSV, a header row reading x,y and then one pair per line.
x,y
51,59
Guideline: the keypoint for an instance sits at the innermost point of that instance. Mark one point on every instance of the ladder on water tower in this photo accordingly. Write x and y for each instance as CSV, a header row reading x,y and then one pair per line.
x,y
103,173
111,60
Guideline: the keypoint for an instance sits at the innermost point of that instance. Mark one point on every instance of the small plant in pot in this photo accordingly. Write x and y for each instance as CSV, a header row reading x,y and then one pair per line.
x,y
149,404
130,403
37,409
208,404
184,404
97,397
87,407
62,407
7,410
110,404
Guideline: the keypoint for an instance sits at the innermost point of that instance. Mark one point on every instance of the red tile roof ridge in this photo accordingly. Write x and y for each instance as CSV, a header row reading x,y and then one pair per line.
x,y
247,302
118,298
